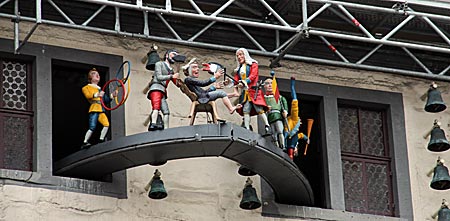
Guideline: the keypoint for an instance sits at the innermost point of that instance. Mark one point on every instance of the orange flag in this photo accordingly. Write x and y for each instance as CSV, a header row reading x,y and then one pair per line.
x,y
276,92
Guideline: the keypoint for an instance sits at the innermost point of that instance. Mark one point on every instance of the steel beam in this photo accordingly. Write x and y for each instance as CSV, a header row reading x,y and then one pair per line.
x,y
355,21
94,15
16,25
202,31
233,49
417,60
195,6
388,35
381,9
61,12
242,22
445,70
249,36
300,26
380,41
4,2
274,13
168,26
25,40
146,26
333,49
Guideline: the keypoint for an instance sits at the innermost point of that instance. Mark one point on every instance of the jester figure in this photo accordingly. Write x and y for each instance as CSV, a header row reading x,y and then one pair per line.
x,y
277,113
93,93
294,122
251,98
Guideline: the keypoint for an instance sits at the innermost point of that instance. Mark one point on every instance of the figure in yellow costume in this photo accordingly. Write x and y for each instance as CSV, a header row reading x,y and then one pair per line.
x,y
294,122
93,92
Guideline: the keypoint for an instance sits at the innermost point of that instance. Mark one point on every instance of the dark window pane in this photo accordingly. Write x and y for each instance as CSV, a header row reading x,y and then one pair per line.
x,y
378,188
348,129
16,145
372,133
353,186
14,81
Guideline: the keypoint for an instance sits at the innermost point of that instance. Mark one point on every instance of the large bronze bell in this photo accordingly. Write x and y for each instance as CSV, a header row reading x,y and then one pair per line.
x,y
441,179
434,101
157,190
438,141
249,198
152,58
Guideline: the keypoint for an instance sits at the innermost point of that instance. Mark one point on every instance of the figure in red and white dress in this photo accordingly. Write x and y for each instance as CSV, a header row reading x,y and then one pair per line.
x,y
251,98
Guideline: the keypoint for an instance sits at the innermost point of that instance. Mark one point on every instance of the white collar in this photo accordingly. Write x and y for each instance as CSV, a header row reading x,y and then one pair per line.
x,y
94,85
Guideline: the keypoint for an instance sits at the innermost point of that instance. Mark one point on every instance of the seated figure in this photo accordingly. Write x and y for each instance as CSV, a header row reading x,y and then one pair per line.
x,y
191,70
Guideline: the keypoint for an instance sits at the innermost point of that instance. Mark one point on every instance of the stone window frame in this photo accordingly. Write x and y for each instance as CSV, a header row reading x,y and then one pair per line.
x,y
329,96
41,56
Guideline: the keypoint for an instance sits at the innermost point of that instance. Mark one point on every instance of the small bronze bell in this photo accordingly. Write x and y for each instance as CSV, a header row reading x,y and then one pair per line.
x,y
244,171
249,198
157,190
152,58
444,214
441,179
434,101
438,141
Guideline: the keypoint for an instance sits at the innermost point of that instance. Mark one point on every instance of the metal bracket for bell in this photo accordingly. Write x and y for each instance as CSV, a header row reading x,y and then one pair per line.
x,y
443,213
441,179
249,197
157,190
434,100
152,58
438,141
244,171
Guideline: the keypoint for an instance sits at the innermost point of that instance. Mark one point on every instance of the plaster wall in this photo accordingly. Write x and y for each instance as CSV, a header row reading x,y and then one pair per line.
x,y
209,188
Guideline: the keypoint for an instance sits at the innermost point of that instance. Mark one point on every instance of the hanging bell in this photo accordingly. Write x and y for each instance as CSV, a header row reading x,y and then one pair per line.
x,y
152,58
249,198
434,101
157,190
441,179
438,141
244,171
444,213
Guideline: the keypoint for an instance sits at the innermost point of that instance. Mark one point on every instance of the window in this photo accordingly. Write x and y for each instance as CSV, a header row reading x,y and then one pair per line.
x,y
357,162
16,116
365,161
70,116
28,147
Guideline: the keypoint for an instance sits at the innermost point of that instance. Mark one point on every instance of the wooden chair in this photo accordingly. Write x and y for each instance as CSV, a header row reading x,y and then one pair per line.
x,y
196,107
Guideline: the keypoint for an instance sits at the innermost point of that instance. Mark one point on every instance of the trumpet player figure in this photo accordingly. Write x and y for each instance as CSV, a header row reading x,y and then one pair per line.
x,y
162,76
251,98
192,71
277,113
294,122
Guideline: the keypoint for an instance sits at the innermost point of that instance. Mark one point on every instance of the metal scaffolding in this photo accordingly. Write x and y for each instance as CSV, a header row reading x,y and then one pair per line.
x,y
299,31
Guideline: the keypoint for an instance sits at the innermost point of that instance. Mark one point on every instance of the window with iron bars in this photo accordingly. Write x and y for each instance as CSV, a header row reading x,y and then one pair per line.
x,y
16,116
365,161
